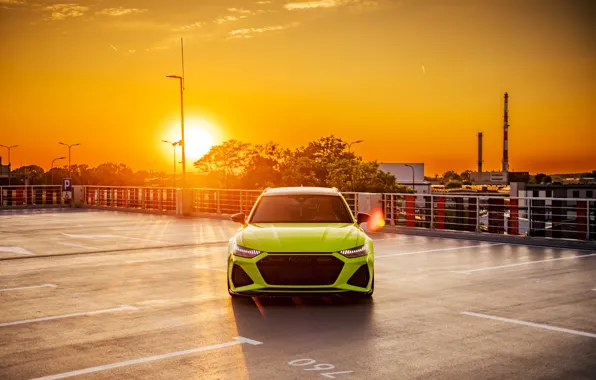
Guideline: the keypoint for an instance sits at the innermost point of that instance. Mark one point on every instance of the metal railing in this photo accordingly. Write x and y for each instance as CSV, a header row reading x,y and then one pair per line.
x,y
558,218
568,218
228,202
30,196
138,198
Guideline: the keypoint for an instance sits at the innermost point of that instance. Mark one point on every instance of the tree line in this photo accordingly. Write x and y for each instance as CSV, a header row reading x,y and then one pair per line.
x,y
325,162
108,174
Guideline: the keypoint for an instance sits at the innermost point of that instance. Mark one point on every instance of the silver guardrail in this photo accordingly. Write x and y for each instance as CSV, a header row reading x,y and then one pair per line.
x,y
159,199
568,218
565,218
19,196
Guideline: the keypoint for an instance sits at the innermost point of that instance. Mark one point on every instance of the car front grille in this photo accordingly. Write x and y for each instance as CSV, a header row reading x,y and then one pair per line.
x,y
300,269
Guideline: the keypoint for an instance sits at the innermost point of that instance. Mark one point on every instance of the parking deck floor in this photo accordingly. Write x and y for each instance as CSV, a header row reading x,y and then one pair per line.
x,y
106,295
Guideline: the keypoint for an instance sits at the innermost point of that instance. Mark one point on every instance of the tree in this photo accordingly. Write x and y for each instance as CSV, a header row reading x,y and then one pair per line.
x,y
453,185
226,162
539,177
547,179
264,166
322,152
451,175
34,173
465,175
298,170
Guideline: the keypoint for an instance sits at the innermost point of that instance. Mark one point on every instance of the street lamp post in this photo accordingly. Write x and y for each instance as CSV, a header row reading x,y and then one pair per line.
x,y
352,174
54,160
413,182
174,145
69,146
9,147
353,142
182,141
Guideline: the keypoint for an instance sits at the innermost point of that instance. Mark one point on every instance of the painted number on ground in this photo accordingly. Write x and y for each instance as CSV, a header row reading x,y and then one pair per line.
x,y
310,365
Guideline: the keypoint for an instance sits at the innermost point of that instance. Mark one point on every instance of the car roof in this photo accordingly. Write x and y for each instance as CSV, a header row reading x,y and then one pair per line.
x,y
301,190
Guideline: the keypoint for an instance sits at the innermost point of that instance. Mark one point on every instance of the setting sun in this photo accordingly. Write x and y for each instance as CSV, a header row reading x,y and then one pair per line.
x,y
198,136
198,140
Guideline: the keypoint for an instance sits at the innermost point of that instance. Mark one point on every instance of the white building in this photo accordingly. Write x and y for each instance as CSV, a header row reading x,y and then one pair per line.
x,y
411,175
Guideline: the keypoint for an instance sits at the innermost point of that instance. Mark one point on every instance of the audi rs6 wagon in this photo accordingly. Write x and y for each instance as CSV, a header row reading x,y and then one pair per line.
x,y
300,241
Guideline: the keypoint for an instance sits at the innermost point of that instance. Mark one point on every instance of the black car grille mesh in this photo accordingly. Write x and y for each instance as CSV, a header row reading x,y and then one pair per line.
x,y
300,269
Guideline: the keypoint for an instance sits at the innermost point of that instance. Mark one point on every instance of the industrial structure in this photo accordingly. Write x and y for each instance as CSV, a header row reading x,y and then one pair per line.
x,y
506,135
479,152
495,178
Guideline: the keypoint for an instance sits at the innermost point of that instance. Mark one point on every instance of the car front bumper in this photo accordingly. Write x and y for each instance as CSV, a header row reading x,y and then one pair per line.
x,y
300,274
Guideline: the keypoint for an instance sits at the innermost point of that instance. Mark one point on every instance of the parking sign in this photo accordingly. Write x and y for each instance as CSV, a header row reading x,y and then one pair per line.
x,y
66,184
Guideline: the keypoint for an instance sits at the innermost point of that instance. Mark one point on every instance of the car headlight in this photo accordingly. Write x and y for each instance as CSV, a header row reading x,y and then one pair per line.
x,y
355,252
246,252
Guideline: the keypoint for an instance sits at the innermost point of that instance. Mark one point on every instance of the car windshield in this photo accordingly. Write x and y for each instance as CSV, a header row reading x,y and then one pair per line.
x,y
301,208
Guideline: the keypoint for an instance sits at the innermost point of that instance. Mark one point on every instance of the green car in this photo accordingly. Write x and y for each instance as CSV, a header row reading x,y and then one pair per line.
x,y
300,241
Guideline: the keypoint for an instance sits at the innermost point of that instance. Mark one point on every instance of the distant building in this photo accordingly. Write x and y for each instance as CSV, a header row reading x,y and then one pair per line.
x,y
411,176
4,171
553,190
489,178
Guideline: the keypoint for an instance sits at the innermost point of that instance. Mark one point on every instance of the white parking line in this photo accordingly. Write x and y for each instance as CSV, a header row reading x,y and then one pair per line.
x,y
520,264
142,239
167,258
538,325
208,268
121,308
29,287
385,239
79,246
441,249
238,340
17,250
104,236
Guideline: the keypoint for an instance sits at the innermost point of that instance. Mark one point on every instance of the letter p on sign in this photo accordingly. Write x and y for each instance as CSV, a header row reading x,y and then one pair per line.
x,y
66,184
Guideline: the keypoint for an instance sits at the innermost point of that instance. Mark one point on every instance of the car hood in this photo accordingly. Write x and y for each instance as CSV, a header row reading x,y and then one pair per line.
x,y
310,237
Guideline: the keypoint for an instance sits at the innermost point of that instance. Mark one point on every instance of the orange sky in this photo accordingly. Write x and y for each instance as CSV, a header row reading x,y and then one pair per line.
x,y
416,79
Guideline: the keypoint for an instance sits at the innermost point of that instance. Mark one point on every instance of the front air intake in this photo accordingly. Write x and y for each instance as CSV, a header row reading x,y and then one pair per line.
x,y
240,277
361,277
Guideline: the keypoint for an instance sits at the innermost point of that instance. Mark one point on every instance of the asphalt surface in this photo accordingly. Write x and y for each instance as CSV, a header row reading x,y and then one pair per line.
x,y
106,295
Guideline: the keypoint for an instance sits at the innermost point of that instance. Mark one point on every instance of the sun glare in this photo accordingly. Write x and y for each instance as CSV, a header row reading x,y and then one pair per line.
x,y
198,136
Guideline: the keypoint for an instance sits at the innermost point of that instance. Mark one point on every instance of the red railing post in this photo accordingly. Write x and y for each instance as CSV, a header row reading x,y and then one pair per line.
x,y
410,211
440,214
581,222
513,223
20,196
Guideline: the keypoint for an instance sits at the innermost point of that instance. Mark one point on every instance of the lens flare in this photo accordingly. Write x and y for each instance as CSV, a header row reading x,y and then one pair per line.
x,y
377,220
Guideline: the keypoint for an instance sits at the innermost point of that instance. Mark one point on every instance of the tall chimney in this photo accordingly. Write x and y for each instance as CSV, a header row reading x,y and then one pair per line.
x,y
479,152
505,135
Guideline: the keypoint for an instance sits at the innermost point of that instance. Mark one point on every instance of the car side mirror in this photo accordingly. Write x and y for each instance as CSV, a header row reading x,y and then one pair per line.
x,y
362,218
239,218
